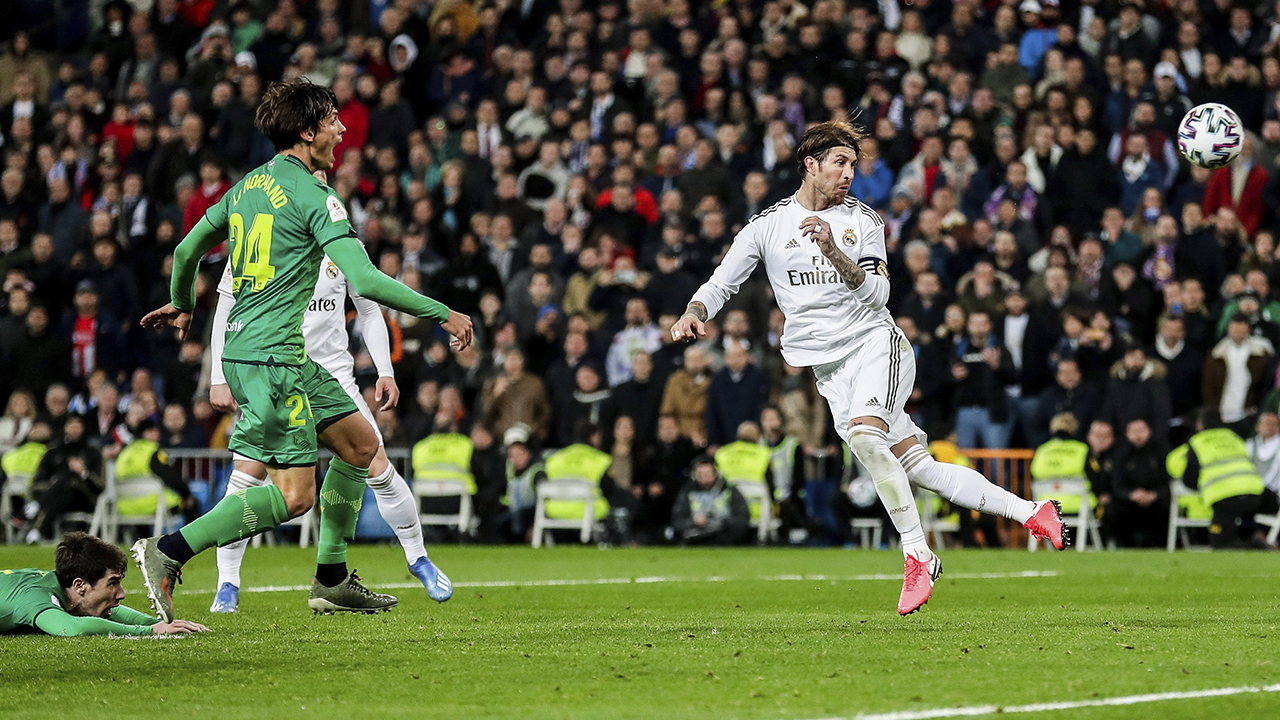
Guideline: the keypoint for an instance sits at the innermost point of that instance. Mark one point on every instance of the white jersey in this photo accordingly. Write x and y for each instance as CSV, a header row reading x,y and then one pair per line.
x,y
324,326
825,320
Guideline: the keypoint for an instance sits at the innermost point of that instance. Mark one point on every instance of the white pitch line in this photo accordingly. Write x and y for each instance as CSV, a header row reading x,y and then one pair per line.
x,y
648,581
973,710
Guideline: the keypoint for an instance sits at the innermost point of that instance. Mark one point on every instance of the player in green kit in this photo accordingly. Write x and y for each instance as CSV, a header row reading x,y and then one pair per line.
x,y
80,597
281,221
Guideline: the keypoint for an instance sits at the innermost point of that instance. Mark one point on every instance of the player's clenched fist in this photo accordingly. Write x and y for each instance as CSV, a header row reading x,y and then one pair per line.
x,y
817,230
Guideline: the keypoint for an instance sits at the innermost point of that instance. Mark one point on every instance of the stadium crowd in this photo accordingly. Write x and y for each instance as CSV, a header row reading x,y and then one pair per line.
x,y
569,172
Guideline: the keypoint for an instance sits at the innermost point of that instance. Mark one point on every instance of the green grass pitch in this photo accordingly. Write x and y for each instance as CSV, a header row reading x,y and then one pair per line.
x,y
774,634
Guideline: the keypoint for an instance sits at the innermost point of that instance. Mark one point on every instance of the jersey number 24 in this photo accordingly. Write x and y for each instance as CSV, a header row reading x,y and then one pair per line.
x,y
251,254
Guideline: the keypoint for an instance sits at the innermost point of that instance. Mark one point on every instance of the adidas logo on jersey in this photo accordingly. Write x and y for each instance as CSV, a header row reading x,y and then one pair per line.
x,y
792,244
873,402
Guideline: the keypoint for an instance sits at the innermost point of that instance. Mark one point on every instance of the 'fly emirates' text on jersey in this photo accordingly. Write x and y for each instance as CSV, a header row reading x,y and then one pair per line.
x,y
825,320
324,325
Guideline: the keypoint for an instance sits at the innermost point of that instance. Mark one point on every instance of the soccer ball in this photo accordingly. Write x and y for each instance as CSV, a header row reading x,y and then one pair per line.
x,y
1210,135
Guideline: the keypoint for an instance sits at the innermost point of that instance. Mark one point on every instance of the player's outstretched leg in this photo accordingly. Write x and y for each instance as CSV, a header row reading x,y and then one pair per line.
x,y
334,589
871,445
239,515
968,488
230,557
399,508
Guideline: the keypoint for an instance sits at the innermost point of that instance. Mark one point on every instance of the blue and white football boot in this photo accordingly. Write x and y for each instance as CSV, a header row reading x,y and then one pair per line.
x,y
227,600
436,582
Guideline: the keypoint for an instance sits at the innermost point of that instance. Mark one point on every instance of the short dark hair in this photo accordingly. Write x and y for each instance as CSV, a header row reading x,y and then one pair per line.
x,y
821,138
291,107
81,555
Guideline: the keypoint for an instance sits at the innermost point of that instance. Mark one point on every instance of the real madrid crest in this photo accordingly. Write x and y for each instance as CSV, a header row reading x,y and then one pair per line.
x,y
331,270
848,239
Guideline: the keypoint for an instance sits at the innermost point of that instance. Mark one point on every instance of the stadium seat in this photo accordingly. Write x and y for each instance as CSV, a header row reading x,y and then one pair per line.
x,y
580,491
933,523
870,531
464,519
16,489
1085,524
761,504
1272,522
128,504
1185,512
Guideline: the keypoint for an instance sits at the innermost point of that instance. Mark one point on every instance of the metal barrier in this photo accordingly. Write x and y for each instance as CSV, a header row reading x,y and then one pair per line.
x,y
1011,470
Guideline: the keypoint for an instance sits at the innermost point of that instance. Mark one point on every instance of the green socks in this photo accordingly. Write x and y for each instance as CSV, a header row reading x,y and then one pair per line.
x,y
341,495
241,514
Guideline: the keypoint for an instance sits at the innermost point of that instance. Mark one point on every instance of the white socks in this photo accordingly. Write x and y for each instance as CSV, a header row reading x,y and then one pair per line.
x,y
231,556
396,504
399,508
964,486
871,445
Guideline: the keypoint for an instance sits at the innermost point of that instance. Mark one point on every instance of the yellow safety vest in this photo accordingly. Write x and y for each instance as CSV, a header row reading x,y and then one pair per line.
x,y
577,462
1225,468
782,460
24,460
1062,459
134,462
741,461
444,456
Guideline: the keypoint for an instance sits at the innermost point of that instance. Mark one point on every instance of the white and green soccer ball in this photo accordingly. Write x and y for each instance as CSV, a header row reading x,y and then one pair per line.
x,y
1210,135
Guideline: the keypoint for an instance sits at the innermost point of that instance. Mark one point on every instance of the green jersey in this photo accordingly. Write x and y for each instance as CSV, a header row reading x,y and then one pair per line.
x,y
28,596
278,219
24,594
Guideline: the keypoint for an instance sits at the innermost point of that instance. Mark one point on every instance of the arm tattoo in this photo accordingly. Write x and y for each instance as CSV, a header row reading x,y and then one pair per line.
x,y
852,275
698,310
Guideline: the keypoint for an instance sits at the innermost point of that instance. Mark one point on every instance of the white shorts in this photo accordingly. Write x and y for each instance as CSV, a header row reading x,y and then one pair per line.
x,y
348,382
875,380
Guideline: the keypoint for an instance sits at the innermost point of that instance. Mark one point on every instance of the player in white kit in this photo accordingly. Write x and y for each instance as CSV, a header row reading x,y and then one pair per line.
x,y
324,327
824,254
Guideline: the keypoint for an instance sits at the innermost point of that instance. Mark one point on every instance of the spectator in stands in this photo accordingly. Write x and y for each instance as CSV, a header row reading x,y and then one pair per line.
x,y
708,510
1141,489
1070,393
1234,374
1138,389
512,397
69,480
1239,187
736,395
685,396
640,398
19,416
1185,370
1264,450
1099,470
980,369
39,358
639,335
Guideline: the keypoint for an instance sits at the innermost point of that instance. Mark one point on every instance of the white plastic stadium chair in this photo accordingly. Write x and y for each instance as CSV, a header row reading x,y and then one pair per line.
x,y
757,495
463,519
15,492
1084,523
156,520
1271,521
1179,523
930,521
587,493
870,531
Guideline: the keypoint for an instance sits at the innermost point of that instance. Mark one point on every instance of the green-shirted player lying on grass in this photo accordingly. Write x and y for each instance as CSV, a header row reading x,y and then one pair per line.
x,y
281,221
81,596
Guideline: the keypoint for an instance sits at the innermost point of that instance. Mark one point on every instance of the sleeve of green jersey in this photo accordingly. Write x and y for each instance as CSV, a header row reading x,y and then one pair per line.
x,y
217,215
129,616
63,624
324,214
370,282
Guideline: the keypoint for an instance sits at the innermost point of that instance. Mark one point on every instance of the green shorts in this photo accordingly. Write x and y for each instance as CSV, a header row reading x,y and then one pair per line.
x,y
282,410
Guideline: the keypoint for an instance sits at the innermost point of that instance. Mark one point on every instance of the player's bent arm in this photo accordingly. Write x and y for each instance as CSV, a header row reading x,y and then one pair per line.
x,y
63,624
204,237
129,616
874,289
373,328
370,282
738,264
